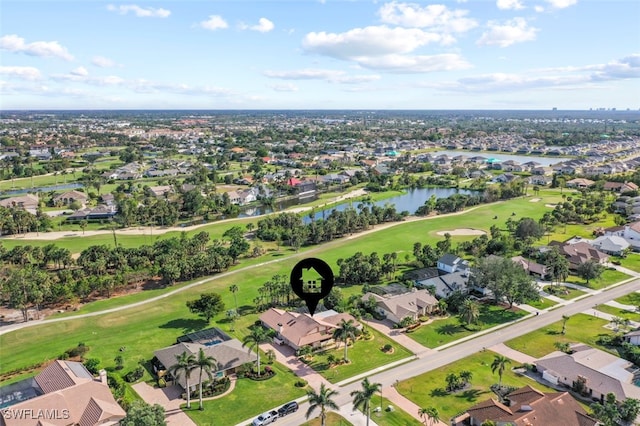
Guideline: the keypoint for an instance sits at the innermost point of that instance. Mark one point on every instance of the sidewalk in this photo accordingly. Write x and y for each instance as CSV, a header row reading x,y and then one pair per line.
x,y
503,349
386,327
404,404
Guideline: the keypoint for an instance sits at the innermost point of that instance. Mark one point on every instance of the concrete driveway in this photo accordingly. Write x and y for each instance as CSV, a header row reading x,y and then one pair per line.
x,y
169,398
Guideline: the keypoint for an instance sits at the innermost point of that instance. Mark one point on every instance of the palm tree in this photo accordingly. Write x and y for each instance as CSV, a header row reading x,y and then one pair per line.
x,y
206,364
234,289
429,414
258,336
346,331
499,363
185,364
321,400
362,398
469,311
565,318
466,376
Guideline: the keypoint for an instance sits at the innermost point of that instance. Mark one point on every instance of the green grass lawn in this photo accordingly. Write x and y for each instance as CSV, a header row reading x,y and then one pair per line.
x,y
243,403
364,355
542,303
580,328
632,261
567,293
333,419
443,331
397,417
621,313
428,389
630,299
608,277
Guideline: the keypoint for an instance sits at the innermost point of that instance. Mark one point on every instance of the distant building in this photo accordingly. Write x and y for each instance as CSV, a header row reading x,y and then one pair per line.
x,y
413,304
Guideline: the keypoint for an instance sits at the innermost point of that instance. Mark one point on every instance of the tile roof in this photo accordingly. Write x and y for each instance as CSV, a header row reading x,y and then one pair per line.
x,y
61,375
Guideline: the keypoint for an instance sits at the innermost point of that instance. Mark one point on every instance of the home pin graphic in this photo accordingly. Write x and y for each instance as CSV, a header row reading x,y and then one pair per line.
x,y
311,280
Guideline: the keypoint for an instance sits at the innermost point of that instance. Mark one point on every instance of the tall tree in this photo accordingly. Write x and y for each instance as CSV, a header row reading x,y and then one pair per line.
x,y
590,270
346,331
565,318
321,400
206,364
469,311
233,288
429,414
499,364
142,414
185,364
258,336
207,306
362,397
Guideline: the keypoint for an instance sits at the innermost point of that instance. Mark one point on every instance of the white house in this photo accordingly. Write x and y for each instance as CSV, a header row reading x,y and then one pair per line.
x,y
611,244
632,235
450,263
632,337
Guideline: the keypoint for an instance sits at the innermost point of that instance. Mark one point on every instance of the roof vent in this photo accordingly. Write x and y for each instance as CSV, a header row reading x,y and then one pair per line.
x,y
526,408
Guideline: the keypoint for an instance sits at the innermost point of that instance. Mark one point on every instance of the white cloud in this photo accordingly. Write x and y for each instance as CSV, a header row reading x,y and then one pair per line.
x,y
513,31
215,22
509,4
370,41
263,26
561,4
102,62
14,43
80,71
285,87
25,73
557,78
406,64
140,12
538,8
435,16
331,76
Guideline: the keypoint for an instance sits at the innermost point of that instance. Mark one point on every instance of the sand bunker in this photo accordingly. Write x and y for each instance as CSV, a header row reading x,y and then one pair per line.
x,y
534,200
462,232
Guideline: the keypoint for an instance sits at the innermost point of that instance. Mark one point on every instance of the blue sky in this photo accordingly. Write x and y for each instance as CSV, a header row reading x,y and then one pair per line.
x,y
320,54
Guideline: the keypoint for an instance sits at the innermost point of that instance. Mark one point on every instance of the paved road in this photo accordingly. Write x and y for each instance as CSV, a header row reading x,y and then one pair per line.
x,y
434,359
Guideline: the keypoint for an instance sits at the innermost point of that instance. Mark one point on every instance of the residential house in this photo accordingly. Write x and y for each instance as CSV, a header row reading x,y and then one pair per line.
x,y
228,353
601,372
161,190
450,263
101,211
27,202
579,183
64,393
532,268
611,244
528,406
540,180
505,178
620,187
446,284
297,329
412,304
580,252
631,233
632,337
69,197
541,171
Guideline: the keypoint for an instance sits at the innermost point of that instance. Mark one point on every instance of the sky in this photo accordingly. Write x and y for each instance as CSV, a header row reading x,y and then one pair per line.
x,y
320,54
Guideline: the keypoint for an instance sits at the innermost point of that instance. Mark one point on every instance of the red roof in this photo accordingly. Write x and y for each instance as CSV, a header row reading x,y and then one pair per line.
x,y
293,181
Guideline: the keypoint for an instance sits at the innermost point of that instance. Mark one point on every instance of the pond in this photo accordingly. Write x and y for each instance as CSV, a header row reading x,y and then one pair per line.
x,y
409,201
23,191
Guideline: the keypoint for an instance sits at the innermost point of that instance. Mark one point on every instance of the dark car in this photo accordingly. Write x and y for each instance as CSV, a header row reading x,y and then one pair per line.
x,y
288,408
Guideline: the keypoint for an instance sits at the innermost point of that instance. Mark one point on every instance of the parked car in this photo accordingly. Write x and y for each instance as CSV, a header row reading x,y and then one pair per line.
x,y
288,408
266,418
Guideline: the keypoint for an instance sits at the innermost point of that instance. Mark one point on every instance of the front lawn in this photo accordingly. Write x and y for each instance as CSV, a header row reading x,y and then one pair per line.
x,y
632,261
333,419
608,277
443,331
580,328
632,299
395,417
428,389
542,304
364,355
242,403
566,293
618,312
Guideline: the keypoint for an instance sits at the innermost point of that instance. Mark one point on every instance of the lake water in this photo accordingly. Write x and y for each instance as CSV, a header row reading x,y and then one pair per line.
x,y
409,201
545,161
63,187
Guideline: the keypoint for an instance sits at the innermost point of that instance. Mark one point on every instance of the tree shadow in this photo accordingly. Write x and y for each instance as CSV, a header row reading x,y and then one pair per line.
x,y
552,332
448,329
471,395
439,392
246,310
187,325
